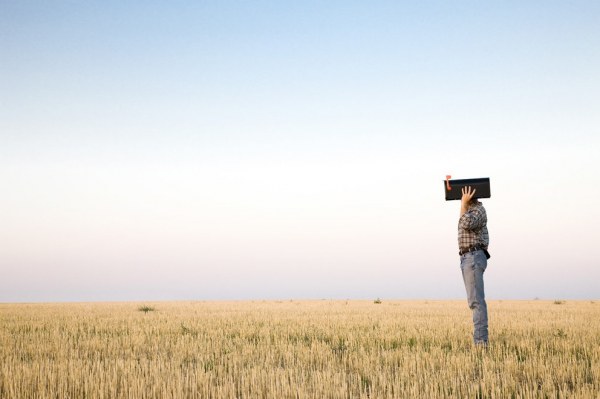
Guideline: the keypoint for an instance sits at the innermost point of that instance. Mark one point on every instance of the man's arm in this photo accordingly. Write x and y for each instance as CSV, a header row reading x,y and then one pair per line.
x,y
467,195
473,219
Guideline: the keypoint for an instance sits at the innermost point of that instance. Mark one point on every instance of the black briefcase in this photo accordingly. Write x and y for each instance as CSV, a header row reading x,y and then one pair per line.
x,y
453,188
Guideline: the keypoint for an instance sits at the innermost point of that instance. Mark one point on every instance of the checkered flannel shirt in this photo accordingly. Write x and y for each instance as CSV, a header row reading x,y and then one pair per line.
x,y
472,229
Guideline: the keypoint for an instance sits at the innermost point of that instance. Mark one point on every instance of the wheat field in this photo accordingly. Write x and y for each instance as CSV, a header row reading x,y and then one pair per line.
x,y
298,349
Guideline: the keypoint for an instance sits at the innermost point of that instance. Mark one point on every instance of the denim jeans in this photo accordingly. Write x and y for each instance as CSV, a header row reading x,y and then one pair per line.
x,y
473,264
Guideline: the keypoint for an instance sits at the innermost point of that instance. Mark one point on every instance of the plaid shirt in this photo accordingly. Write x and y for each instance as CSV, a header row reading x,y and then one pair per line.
x,y
472,229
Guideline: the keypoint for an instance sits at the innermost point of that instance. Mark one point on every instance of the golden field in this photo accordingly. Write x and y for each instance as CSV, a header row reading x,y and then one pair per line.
x,y
298,349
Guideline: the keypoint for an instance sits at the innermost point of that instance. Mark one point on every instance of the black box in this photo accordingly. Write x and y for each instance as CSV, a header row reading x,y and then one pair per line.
x,y
481,186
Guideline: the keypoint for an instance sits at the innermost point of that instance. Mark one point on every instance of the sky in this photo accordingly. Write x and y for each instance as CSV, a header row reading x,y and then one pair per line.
x,y
209,150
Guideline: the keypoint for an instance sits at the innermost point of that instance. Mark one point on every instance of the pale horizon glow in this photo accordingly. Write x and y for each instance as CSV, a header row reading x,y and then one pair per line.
x,y
290,151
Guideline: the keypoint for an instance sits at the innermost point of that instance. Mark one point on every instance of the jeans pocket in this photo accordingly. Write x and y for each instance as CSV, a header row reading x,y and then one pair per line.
x,y
467,261
480,260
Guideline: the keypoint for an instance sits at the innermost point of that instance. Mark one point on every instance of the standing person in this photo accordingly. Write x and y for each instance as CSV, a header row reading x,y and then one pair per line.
x,y
473,241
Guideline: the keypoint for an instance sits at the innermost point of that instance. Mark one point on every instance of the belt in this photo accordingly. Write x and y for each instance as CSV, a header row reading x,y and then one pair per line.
x,y
471,249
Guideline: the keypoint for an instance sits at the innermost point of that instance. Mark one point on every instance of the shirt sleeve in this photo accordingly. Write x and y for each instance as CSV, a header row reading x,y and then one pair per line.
x,y
473,219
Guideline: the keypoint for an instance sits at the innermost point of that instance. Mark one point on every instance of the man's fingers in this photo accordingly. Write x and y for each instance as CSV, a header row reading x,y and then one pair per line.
x,y
468,191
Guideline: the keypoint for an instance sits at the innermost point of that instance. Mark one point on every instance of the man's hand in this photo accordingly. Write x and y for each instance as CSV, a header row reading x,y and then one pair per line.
x,y
467,195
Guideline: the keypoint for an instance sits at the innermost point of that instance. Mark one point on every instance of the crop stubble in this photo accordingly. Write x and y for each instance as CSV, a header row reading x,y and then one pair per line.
x,y
298,349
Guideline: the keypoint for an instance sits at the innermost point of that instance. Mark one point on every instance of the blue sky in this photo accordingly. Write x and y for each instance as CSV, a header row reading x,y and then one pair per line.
x,y
233,150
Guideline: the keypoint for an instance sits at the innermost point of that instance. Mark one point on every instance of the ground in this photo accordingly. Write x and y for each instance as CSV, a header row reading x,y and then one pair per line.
x,y
298,349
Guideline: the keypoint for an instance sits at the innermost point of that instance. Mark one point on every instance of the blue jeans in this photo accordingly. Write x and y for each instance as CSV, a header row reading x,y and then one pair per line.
x,y
473,264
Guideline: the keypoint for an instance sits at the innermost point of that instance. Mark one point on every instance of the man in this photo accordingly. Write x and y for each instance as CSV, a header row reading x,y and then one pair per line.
x,y
473,241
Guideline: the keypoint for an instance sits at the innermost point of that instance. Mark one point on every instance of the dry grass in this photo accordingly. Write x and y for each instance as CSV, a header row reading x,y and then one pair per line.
x,y
298,349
